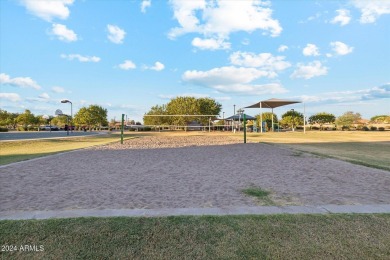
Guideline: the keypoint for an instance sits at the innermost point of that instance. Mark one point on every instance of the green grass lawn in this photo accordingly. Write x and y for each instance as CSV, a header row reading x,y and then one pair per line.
x,y
23,150
371,149
334,236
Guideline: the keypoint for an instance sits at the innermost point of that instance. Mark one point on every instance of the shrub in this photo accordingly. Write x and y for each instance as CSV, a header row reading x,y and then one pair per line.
x,y
315,128
373,128
365,128
132,129
345,128
334,129
3,129
22,128
299,128
381,129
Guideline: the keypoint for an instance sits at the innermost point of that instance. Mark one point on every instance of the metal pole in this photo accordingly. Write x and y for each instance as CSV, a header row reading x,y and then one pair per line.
x,y
272,119
239,115
71,117
123,118
223,117
234,111
67,122
209,123
261,119
304,119
292,119
244,129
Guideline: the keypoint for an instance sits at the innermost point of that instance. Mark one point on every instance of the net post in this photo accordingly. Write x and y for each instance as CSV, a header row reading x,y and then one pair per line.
x,y
244,129
123,117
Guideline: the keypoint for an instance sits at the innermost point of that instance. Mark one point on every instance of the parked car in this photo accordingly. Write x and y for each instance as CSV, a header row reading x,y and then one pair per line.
x,y
70,127
48,128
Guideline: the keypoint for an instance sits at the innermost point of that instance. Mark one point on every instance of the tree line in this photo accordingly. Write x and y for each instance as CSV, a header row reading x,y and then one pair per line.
x,y
183,106
294,118
208,106
90,117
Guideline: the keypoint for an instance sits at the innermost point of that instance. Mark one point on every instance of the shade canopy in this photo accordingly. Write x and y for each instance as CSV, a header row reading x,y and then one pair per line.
x,y
237,117
272,103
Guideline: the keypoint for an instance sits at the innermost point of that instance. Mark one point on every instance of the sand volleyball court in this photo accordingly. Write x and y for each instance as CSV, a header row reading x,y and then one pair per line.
x,y
185,172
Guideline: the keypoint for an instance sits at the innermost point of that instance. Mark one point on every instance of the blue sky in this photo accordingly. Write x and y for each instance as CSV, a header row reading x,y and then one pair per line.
x,y
128,55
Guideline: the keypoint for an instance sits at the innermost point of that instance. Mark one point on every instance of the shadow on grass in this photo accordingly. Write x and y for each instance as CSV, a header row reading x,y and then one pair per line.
x,y
370,154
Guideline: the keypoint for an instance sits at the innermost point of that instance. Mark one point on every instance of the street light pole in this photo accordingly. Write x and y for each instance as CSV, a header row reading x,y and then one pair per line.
x,y
223,120
71,113
240,111
292,115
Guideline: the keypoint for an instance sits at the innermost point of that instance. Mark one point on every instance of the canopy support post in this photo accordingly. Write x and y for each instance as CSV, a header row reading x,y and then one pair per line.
x,y
272,109
304,118
261,120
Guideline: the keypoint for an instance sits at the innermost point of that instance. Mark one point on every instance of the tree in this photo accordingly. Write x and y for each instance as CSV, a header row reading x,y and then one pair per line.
x,y
380,119
92,116
267,117
322,118
347,119
8,119
291,119
208,106
156,120
59,121
183,106
27,118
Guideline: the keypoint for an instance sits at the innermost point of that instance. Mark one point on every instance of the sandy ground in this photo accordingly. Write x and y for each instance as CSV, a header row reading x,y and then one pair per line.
x,y
185,172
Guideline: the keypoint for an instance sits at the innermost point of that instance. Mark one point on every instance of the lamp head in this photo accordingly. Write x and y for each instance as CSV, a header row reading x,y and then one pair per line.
x,y
65,101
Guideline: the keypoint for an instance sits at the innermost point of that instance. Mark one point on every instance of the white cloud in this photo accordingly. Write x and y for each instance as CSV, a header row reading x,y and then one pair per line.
x,y
127,65
145,4
63,33
210,44
58,89
312,18
23,82
311,50
48,9
341,48
224,75
265,61
251,89
10,96
313,69
158,66
115,34
282,48
80,57
233,80
196,95
245,41
218,19
374,93
371,10
343,17
223,98
44,96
